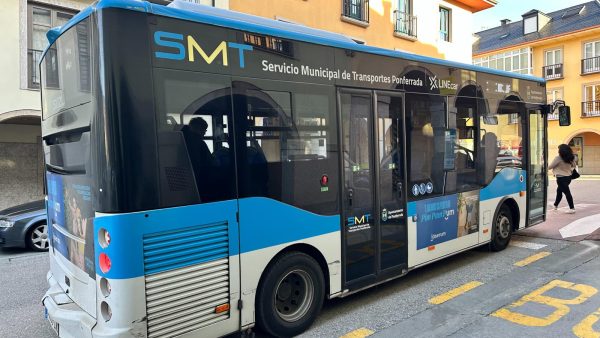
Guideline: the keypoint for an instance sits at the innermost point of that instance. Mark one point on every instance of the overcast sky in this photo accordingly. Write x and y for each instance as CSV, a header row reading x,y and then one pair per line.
x,y
513,9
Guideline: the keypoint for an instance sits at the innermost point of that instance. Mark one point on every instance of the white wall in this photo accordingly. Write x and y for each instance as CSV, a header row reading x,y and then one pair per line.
x,y
428,28
14,94
218,3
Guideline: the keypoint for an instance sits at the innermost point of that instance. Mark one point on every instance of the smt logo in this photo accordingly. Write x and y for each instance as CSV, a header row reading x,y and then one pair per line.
x,y
436,83
364,219
174,41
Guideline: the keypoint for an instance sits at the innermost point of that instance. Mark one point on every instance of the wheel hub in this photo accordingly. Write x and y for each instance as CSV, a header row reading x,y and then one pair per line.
x,y
503,226
294,295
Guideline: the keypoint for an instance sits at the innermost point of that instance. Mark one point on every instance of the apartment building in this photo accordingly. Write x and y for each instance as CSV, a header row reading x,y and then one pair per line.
x,y
436,28
564,48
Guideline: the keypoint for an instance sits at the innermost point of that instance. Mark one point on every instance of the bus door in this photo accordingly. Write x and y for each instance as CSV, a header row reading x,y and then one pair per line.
x,y
373,197
537,168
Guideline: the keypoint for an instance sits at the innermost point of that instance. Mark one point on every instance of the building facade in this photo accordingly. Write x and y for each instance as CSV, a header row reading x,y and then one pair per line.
x,y
437,28
564,48
24,24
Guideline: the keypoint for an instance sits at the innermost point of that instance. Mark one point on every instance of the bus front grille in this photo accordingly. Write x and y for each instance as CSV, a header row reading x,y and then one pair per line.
x,y
187,277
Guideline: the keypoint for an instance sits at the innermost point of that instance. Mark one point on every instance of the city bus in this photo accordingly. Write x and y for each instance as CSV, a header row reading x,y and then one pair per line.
x,y
209,171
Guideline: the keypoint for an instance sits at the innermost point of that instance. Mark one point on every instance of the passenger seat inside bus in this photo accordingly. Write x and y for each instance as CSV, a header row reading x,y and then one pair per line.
x,y
177,182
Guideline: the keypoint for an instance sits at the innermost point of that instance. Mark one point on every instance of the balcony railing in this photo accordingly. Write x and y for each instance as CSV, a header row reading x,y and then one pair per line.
x,y
33,59
553,116
553,71
590,108
590,65
356,9
406,24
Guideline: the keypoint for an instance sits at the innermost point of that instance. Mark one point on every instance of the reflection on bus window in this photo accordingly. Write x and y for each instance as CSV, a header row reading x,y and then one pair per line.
x,y
426,128
195,145
287,146
462,119
501,137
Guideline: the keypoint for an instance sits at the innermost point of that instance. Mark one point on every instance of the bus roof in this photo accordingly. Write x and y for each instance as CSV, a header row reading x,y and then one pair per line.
x,y
255,24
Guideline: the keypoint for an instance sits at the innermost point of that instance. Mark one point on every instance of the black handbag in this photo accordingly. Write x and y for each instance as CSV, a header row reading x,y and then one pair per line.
x,y
574,174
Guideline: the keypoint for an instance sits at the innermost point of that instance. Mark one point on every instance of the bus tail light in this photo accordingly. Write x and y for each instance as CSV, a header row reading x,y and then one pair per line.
x,y
104,261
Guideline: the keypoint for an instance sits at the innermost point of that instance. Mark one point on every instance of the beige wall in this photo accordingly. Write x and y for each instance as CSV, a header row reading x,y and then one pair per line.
x,y
326,15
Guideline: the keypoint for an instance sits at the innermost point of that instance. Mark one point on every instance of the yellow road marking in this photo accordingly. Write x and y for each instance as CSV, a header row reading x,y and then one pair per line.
x,y
532,258
358,333
561,305
585,328
444,297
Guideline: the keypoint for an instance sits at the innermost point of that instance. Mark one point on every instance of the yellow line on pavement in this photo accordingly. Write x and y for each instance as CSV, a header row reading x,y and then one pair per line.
x,y
444,297
358,333
532,258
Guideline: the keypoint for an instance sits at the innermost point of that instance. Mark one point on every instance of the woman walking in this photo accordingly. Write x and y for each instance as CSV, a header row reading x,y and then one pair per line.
x,y
562,167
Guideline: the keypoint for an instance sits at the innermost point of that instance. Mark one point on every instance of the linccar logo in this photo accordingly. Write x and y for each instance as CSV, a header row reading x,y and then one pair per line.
x,y
175,42
436,83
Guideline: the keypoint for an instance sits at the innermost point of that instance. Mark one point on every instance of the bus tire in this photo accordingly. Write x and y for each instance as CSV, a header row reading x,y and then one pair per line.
x,y
290,296
503,225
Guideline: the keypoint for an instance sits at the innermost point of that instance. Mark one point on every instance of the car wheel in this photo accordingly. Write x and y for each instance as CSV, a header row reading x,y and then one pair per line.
x,y
37,237
290,296
502,229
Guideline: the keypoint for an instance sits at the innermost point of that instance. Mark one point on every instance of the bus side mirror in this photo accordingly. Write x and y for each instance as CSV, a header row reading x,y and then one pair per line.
x,y
564,116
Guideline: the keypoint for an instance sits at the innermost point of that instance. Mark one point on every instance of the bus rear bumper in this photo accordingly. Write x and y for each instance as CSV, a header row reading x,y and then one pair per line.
x,y
72,320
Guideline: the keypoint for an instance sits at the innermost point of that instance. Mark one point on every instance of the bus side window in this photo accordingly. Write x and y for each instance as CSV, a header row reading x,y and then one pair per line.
x,y
501,137
426,129
286,141
462,118
194,118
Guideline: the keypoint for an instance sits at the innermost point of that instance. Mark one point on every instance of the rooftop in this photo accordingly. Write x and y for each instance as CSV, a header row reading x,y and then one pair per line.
x,y
564,21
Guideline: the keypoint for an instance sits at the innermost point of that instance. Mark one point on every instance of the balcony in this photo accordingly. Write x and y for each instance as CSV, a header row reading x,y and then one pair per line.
x,y
590,108
590,65
356,10
552,72
406,24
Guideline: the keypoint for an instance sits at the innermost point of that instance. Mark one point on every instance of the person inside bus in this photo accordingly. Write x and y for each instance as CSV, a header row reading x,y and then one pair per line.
x,y
200,156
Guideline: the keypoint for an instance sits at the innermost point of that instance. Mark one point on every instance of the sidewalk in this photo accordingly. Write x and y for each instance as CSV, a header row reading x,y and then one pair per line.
x,y
584,224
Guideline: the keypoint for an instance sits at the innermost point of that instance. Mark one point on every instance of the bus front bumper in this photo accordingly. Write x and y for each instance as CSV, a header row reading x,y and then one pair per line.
x,y
65,315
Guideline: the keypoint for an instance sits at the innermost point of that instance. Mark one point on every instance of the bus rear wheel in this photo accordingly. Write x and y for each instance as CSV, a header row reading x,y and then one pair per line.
x,y
503,225
290,296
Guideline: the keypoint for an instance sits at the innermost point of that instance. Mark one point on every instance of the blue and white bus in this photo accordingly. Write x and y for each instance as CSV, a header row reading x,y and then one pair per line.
x,y
210,171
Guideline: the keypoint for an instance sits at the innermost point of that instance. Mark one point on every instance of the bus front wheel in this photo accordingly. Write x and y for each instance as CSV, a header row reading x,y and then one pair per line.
x,y
503,225
290,295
